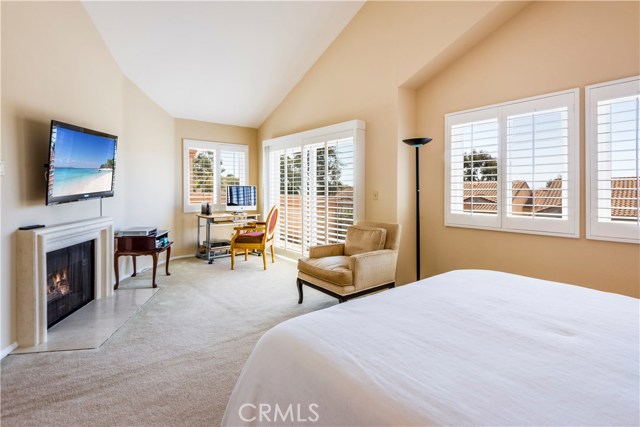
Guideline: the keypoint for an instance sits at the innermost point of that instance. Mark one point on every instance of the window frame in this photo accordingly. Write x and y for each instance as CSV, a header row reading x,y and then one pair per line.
x,y
502,221
352,128
188,144
596,230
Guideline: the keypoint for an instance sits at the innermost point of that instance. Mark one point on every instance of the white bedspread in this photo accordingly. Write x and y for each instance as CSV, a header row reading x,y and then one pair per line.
x,y
469,347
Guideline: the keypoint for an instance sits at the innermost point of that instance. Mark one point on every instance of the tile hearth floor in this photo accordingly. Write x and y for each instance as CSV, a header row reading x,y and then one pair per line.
x,y
94,323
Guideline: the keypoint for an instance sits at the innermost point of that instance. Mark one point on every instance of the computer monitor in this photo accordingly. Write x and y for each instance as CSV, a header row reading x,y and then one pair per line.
x,y
242,198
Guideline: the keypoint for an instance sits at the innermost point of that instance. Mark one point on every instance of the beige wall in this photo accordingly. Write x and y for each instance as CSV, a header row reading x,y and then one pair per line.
x,y
185,223
548,47
56,66
385,45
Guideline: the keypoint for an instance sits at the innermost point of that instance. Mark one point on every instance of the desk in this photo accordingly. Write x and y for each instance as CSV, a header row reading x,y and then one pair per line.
x,y
210,250
135,246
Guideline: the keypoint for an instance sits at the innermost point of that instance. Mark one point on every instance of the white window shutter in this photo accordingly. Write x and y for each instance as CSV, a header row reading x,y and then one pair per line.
x,y
472,180
514,166
209,167
613,160
541,165
276,194
329,169
199,176
232,170
313,178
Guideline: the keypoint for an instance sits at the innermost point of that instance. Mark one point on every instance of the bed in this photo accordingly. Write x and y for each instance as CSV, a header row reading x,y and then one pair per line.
x,y
468,347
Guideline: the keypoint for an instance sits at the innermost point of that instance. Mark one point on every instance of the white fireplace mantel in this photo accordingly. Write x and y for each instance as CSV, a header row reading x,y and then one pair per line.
x,y
32,248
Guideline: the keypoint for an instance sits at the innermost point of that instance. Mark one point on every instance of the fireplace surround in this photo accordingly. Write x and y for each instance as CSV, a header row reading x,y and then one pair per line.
x,y
32,248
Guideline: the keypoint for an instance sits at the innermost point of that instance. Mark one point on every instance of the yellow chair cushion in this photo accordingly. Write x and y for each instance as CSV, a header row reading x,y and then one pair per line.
x,y
334,269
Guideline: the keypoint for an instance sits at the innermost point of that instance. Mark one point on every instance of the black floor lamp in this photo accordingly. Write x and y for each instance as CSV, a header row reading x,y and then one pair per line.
x,y
417,142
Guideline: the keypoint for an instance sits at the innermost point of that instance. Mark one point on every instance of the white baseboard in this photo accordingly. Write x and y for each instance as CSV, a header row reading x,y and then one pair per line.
x,y
7,350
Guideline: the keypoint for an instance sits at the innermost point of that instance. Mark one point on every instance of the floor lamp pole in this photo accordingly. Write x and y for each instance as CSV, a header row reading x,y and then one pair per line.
x,y
417,143
417,212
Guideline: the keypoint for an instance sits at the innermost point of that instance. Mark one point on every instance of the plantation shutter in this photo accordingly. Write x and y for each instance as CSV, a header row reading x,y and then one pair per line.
x,y
293,192
233,171
285,191
613,164
276,193
312,177
328,190
202,188
540,188
209,167
472,170
514,166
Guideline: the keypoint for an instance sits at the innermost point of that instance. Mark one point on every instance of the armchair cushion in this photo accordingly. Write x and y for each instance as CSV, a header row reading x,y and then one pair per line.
x,y
361,239
333,269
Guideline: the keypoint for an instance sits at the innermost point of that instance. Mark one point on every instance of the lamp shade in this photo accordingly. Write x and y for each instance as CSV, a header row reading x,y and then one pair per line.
x,y
417,142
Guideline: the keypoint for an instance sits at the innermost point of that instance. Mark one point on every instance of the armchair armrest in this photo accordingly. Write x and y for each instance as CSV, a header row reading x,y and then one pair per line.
x,y
373,268
322,251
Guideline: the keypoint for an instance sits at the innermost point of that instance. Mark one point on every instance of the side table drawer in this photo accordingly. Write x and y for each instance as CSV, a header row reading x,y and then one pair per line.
x,y
136,243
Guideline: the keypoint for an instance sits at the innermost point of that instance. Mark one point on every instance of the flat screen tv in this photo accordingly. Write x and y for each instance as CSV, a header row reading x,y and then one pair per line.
x,y
82,164
241,198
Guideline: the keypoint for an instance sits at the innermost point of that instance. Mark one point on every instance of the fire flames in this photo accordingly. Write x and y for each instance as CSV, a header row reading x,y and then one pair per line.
x,y
57,285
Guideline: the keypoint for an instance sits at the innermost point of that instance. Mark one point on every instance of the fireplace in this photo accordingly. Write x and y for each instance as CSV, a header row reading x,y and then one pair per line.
x,y
39,282
70,280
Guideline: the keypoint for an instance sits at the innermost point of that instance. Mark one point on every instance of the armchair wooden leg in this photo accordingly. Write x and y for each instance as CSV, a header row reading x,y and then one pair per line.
x,y
233,258
264,258
246,254
273,257
300,296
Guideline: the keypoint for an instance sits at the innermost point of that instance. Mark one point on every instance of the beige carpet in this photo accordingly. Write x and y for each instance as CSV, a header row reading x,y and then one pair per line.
x,y
173,364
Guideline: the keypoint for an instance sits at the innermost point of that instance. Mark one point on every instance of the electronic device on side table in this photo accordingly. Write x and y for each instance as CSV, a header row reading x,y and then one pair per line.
x,y
138,231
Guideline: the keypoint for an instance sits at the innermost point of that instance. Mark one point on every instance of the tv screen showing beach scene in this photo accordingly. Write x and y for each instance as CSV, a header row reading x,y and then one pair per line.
x,y
81,164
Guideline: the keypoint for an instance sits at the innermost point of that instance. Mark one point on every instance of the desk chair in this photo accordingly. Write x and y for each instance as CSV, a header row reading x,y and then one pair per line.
x,y
257,237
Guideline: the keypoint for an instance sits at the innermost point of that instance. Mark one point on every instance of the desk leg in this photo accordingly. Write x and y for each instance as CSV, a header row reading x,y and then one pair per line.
x,y
135,269
198,238
208,244
155,267
166,270
115,267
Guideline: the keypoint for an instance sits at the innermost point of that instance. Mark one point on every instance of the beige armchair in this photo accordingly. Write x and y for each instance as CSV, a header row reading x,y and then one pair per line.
x,y
365,263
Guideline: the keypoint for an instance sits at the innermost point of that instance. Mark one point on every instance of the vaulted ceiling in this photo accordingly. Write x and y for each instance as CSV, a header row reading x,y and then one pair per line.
x,y
223,62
